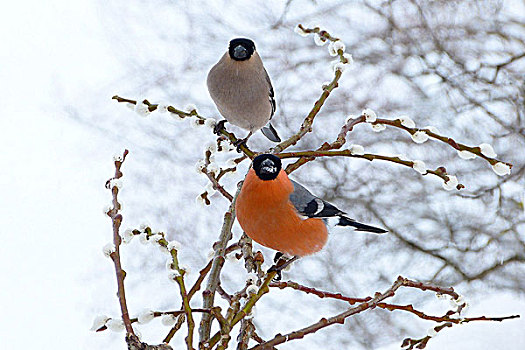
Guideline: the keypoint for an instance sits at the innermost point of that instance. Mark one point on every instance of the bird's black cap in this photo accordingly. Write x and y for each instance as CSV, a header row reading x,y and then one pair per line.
x,y
267,166
241,49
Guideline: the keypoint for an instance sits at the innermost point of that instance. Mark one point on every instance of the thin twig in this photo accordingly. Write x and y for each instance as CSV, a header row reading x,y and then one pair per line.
x,y
218,262
152,107
308,122
368,156
116,218
263,289
340,318
185,299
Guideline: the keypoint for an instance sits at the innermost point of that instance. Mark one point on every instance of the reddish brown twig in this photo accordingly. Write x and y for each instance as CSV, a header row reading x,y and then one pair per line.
x,y
340,318
152,107
370,303
116,218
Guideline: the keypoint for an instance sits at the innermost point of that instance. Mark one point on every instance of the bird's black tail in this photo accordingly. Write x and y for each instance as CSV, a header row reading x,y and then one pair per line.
x,y
345,221
270,132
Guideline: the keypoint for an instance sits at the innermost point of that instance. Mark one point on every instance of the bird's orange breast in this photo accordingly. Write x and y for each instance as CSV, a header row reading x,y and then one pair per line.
x,y
266,214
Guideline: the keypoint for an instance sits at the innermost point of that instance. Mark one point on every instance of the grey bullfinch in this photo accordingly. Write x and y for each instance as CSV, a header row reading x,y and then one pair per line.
x,y
241,89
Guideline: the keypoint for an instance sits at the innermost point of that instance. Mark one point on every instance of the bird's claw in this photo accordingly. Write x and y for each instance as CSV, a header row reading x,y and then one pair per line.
x,y
281,262
218,127
279,274
239,143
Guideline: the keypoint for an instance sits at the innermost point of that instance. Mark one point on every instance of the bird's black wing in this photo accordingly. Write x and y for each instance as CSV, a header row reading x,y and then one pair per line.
x,y
269,131
271,94
311,206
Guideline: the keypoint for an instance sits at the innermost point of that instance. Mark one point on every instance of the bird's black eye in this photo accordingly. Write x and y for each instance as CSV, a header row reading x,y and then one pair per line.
x,y
267,166
241,49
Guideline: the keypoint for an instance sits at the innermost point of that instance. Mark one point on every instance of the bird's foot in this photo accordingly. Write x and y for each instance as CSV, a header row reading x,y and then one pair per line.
x,y
218,127
281,263
277,256
239,143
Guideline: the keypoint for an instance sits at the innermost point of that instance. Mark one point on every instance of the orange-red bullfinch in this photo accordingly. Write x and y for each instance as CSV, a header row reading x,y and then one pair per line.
x,y
281,214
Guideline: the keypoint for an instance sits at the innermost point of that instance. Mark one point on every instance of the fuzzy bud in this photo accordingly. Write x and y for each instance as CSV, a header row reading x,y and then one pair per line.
x,y
501,169
419,136
451,183
145,316
370,115
487,150
466,155
419,166
357,150
407,122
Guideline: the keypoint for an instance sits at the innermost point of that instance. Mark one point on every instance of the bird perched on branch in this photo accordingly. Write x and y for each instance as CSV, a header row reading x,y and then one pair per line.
x,y
241,88
281,214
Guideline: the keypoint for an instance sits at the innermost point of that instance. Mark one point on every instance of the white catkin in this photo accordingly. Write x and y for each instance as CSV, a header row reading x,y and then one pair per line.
x,y
451,183
350,118
155,237
107,209
200,200
211,147
300,31
419,166
335,46
162,108
370,115
432,129
127,236
145,316
378,127
209,188
173,275
466,155
174,245
419,136
406,121
487,150
501,169
117,157
251,278
252,289
99,322
108,249
142,109
115,325
357,150
319,40
349,58
338,66
190,108
199,167
213,168
210,123
143,238
168,320
432,332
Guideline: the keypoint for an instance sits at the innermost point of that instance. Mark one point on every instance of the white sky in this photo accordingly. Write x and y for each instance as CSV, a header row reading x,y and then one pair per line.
x,y
52,175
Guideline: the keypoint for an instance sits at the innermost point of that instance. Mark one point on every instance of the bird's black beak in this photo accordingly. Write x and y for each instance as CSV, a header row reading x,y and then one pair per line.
x,y
240,52
268,167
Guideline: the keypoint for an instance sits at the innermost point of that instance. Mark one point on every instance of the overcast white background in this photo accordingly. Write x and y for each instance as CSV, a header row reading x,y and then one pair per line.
x,y
55,279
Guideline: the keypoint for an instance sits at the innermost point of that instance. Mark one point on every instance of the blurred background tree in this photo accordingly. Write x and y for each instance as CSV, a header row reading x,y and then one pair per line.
x,y
455,65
